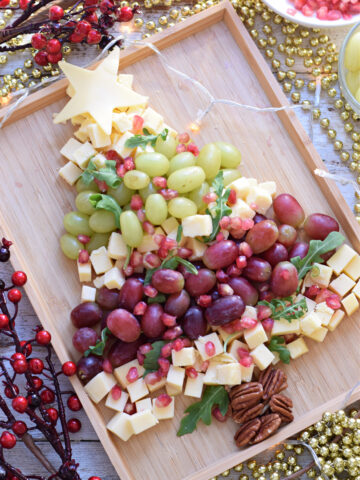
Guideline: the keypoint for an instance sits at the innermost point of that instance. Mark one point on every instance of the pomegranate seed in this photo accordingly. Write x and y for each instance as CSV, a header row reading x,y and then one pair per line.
x,y
145,348
136,202
148,228
112,155
221,276
130,408
166,350
248,322
184,137
168,193
246,361
187,342
191,372
159,182
209,349
132,375
158,238
233,271
128,271
247,224
216,413
204,366
83,256
106,366
225,290
312,291
129,164
168,243
120,171
180,148
220,237
245,249
232,197
204,301
140,308
101,184
241,261
164,365
151,260
163,400
263,312
268,324
172,333
192,148
168,320
333,302
184,252
116,392
140,358
178,345
236,223
152,378
307,11
209,198
136,259
323,295
242,352
137,124
84,239
150,291
225,223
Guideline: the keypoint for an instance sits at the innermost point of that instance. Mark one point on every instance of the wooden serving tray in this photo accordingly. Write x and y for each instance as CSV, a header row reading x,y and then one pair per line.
x,y
215,48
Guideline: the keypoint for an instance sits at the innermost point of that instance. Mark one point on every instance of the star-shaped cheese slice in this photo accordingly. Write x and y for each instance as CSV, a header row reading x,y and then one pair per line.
x,y
97,92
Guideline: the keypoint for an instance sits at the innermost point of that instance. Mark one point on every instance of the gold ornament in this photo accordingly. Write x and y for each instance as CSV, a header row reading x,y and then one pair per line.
x,y
295,97
239,468
3,59
226,473
331,133
138,22
325,122
150,25
47,68
251,464
163,20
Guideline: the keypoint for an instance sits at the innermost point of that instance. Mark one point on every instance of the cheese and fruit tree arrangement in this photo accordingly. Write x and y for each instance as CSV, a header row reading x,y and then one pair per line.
x,y
196,281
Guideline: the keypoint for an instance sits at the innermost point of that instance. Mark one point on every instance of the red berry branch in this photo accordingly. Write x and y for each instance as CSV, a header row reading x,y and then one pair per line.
x,y
40,406
86,21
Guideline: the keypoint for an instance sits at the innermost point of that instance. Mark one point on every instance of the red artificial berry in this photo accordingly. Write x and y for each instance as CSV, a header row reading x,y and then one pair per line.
x,y
83,27
47,396
19,428
9,391
4,3
191,372
20,404
23,4
20,366
43,337
209,349
106,6
163,400
125,14
53,46
76,37
94,478
41,58
54,57
132,375
36,365
53,415
14,295
69,369
91,17
7,440
93,37
18,356
19,278
4,321
26,347
56,13
38,383
74,425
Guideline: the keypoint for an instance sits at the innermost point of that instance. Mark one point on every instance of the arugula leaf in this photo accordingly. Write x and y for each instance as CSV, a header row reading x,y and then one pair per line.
x,y
213,395
106,202
106,174
170,263
158,299
98,349
316,249
151,358
220,209
179,233
143,140
128,255
286,308
277,344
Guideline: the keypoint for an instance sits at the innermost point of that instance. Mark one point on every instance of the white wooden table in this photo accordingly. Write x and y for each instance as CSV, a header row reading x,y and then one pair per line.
x,y
86,447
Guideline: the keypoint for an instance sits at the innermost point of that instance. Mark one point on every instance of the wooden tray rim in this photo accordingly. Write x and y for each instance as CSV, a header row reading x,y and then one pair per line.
x,y
226,13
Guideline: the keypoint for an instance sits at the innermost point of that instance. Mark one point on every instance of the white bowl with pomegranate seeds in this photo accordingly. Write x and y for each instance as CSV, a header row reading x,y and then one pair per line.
x,y
308,13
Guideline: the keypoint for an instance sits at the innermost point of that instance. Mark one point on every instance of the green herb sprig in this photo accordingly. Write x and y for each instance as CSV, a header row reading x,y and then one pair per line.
x,y
106,174
286,308
98,348
221,209
171,263
143,140
277,344
106,202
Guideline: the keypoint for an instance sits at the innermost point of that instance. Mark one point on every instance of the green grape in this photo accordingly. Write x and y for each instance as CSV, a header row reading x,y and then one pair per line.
x,y
230,175
230,155
83,204
154,164
166,147
181,207
181,160
122,194
102,221
77,223
209,160
131,229
98,240
156,209
70,246
145,192
135,180
186,179
81,186
197,196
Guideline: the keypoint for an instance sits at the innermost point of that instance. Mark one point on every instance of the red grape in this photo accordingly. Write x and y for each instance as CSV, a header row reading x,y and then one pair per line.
x,y
221,254
167,281
194,323
123,325
284,279
151,322
318,226
288,210
201,283
259,218
88,367
225,310
276,254
177,303
262,236
121,352
84,338
257,269
131,293
244,289
86,314
108,299
287,235
300,249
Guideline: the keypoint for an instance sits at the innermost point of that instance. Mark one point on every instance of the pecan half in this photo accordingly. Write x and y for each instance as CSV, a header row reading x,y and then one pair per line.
x,y
246,414
282,405
273,381
268,426
247,432
245,395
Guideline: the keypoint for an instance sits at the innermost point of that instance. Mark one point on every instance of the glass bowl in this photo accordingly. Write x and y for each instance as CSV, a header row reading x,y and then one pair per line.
x,y
349,97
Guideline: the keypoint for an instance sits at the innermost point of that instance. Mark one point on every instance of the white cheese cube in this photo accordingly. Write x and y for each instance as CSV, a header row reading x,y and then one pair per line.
x,y
242,186
210,377
336,319
259,199
342,285
224,335
249,312
276,359
262,356
70,173
120,147
160,384
255,336
122,122
122,371
198,248
201,342
320,275
172,391
142,421
88,294
284,327
241,209
126,79
153,121
310,323
356,289
148,244
99,281
309,303
99,160
270,187
223,358
99,386
229,374
184,357
120,262
197,225
350,304
175,377
319,334
194,386
324,313
353,268
78,119
137,390
83,154
98,137
82,134
100,260
118,404
164,413
117,247
247,373
170,224
69,148
144,404
114,278
297,348
120,426
84,271
236,344
341,258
